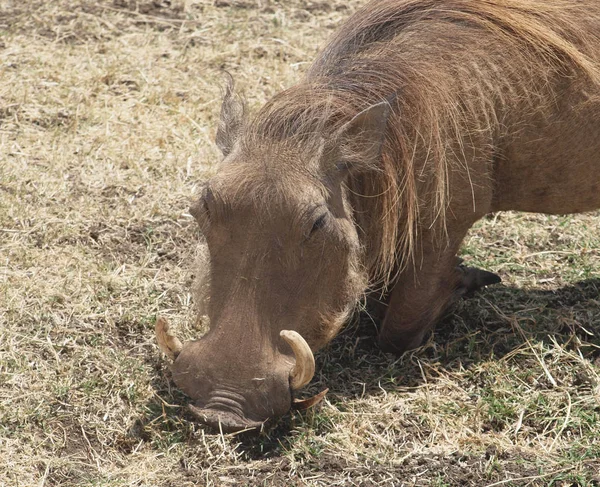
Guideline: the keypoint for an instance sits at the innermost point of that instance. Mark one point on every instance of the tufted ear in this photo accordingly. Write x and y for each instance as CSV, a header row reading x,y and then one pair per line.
x,y
359,142
232,118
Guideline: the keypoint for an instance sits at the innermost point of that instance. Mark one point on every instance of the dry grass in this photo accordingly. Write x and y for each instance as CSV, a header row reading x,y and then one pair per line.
x,y
107,115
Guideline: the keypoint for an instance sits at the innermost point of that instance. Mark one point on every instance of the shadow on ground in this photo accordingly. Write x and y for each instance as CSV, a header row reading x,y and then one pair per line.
x,y
485,327
488,325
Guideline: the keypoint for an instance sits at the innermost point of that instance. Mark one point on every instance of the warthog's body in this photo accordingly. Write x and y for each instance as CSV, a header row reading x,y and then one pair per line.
x,y
416,120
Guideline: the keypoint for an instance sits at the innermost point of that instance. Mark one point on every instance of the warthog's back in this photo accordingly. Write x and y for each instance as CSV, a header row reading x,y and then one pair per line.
x,y
506,90
495,107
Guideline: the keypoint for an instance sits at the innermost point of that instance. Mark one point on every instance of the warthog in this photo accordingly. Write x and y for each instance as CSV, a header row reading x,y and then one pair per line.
x,y
418,118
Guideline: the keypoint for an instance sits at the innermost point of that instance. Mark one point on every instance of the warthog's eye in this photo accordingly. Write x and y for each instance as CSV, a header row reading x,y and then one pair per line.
x,y
206,200
318,224
201,210
205,208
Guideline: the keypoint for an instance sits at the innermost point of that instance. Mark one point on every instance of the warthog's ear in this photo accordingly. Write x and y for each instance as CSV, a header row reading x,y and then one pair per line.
x,y
359,141
232,118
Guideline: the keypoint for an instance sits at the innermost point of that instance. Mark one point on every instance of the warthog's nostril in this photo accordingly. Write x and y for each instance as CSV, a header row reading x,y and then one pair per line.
x,y
226,421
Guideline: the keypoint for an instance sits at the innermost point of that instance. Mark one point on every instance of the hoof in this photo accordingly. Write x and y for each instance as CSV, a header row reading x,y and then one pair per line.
x,y
473,279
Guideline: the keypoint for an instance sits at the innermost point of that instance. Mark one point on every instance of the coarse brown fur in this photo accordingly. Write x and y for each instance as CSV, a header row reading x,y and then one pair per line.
x,y
416,120
462,71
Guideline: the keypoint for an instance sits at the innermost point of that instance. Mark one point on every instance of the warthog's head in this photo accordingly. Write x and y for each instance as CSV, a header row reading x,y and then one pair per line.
x,y
285,266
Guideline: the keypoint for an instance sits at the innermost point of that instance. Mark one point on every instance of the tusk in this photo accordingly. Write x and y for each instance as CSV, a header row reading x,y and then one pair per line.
x,y
302,404
304,370
167,342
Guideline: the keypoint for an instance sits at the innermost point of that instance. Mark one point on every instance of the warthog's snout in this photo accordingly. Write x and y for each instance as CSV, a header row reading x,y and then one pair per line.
x,y
232,391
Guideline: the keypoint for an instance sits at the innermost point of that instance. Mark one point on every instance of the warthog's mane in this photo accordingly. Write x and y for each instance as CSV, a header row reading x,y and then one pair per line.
x,y
465,74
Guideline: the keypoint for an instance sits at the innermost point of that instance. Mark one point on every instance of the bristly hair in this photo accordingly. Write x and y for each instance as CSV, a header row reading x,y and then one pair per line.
x,y
465,73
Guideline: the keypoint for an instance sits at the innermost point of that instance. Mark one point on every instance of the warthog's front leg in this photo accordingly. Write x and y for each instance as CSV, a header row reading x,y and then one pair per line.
x,y
423,293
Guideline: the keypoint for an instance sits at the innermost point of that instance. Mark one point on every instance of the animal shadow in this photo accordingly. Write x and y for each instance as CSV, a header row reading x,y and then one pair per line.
x,y
486,326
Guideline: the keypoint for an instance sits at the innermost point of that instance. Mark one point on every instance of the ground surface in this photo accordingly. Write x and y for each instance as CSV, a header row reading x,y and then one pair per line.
x,y
107,116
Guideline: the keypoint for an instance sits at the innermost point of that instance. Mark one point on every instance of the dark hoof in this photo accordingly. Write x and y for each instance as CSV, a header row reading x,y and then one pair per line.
x,y
473,279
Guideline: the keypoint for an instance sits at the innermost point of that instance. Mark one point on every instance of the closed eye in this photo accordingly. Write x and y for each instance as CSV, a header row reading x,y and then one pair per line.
x,y
201,210
318,224
206,200
205,208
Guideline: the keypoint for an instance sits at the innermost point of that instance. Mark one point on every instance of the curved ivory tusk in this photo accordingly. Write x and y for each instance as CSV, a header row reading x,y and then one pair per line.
x,y
304,370
167,342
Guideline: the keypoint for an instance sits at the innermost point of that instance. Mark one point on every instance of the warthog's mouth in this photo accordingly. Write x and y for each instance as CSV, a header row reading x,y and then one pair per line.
x,y
224,420
230,419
